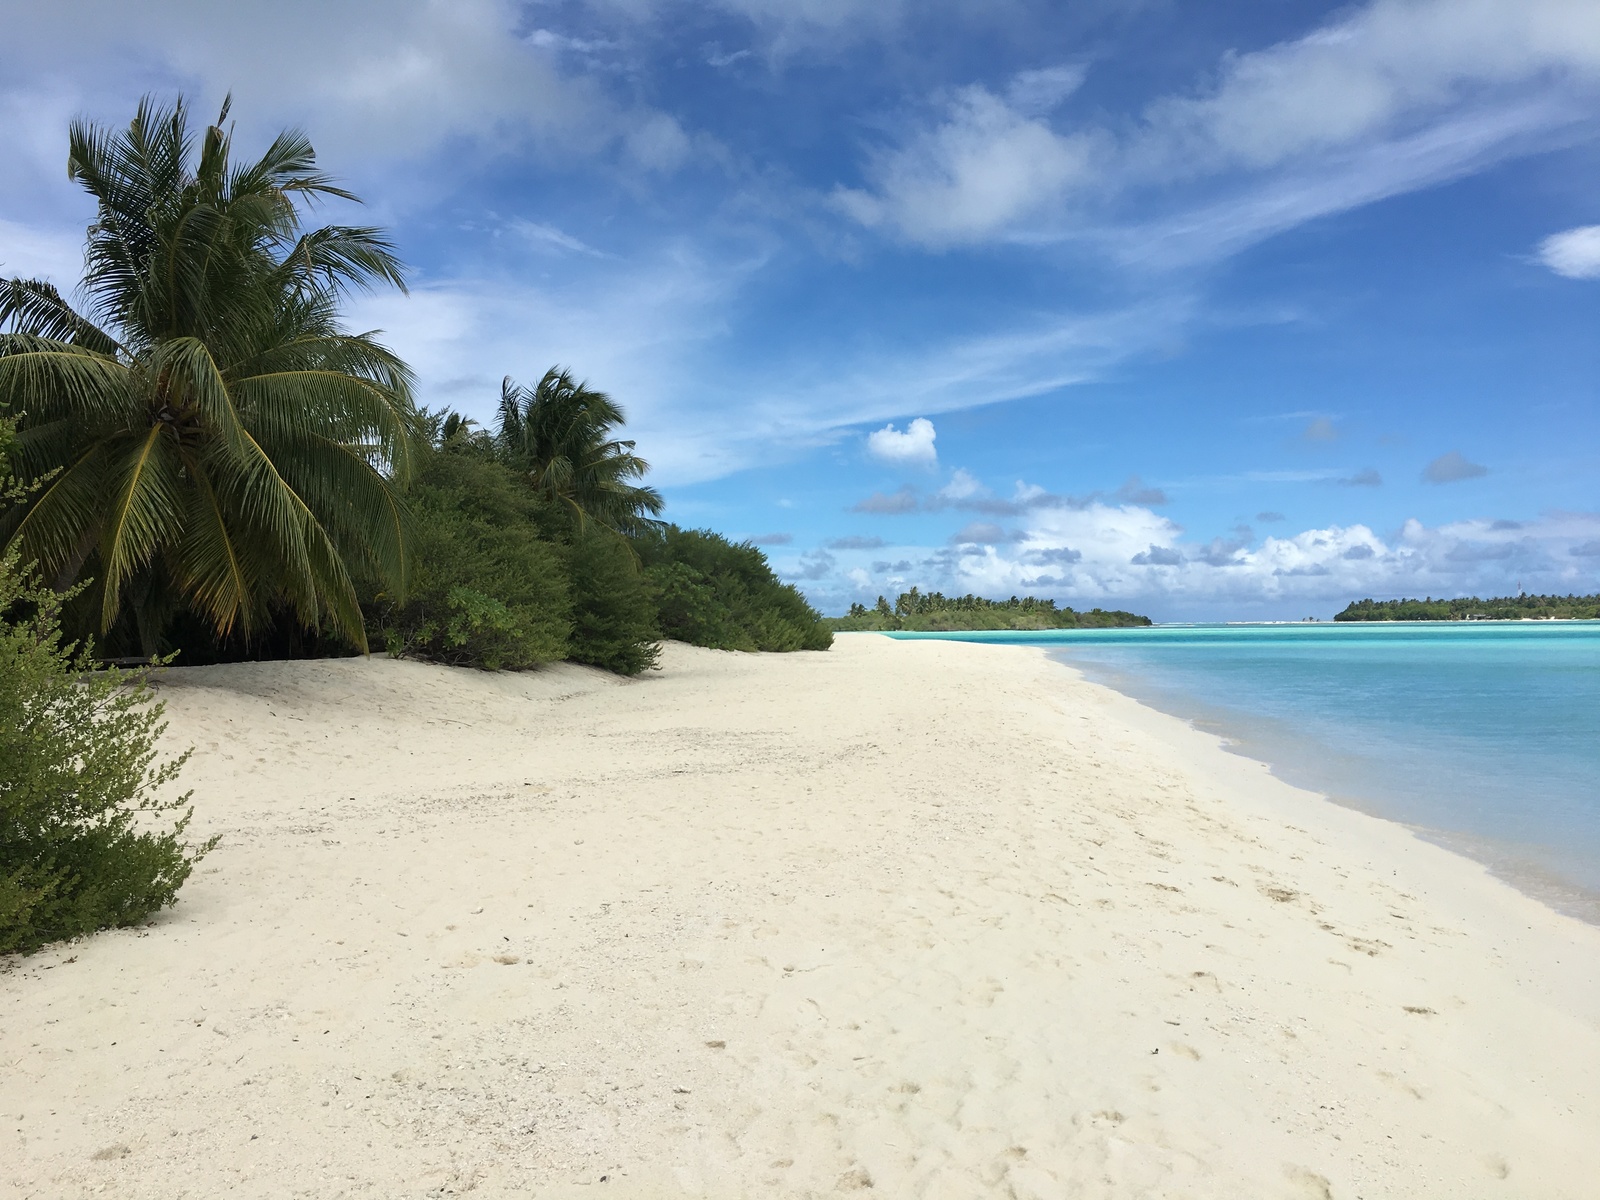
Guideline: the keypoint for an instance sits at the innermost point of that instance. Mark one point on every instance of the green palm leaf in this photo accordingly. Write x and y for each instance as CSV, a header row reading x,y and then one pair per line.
x,y
145,503
34,308
206,435
558,435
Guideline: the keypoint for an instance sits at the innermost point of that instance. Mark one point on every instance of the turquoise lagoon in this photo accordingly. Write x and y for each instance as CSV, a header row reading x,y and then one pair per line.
x,y
1483,736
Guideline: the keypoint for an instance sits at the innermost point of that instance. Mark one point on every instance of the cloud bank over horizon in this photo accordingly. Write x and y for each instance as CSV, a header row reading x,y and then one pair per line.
x,y
1095,550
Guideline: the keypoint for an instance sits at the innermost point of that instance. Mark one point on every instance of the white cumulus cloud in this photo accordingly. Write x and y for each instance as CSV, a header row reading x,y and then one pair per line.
x,y
1574,253
963,485
913,445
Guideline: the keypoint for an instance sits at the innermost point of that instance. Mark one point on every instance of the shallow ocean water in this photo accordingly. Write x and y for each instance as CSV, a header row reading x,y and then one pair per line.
x,y
1484,735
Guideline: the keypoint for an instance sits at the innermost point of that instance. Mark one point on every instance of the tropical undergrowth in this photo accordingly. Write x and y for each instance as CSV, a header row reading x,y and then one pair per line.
x,y
509,576
90,835
712,592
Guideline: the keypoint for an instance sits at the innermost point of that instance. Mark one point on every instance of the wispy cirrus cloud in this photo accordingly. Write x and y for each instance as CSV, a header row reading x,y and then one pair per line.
x,y
421,99
1394,95
1366,477
384,84
542,236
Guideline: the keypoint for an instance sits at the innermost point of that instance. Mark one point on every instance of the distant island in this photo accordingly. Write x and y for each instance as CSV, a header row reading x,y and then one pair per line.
x,y
1503,608
932,612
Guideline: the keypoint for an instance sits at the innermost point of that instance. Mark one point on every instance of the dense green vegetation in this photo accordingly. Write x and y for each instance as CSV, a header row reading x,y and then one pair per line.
x,y
933,612
87,838
491,585
207,436
512,574
535,542
713,592
614,621
1502,608
220,470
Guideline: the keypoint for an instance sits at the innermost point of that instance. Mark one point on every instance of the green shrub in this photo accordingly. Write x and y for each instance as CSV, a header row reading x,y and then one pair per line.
x,y
489,590
716,593
86,841
507,578
613,613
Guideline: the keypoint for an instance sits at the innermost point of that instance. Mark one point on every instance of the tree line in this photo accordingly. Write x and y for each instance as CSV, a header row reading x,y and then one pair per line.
x,y
1470,608
217,466
920,611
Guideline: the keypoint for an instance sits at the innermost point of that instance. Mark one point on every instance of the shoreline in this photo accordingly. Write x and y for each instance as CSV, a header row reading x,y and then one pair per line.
x,y
1557,865
904,915
1512,862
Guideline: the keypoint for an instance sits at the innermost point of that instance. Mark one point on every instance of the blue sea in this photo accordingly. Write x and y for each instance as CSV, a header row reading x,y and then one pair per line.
x,y
1483,736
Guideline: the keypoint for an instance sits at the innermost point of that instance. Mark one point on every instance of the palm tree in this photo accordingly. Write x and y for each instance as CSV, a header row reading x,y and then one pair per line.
x,y
205,433
452,432
558,435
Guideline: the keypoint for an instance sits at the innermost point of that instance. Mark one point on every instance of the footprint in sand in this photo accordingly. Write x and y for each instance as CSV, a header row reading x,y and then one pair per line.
x,y
854,1180
1310,1185
1399,1084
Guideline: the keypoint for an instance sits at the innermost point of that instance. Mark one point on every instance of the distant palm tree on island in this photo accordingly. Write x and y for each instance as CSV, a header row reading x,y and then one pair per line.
x,y
933,612
204,435
1470,608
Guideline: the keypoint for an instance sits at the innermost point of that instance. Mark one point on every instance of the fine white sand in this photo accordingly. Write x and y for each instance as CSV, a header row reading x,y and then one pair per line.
x,y
929,919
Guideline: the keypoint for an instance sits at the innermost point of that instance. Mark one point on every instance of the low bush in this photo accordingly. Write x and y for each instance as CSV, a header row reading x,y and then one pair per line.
x,y
87,839
489,590
712,592
613,613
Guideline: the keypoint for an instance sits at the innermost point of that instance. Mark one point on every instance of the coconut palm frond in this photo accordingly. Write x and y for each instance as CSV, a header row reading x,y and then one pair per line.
x,y
206,434
34,308
558,436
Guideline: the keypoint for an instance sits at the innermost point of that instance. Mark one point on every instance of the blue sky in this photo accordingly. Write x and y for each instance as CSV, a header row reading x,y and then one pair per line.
x,y
1218,310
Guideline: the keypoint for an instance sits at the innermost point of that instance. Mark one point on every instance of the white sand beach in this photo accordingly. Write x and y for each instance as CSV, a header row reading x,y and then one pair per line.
x,y
904,919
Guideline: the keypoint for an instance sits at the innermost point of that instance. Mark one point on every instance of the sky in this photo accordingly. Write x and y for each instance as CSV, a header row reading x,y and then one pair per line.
x,y
1223,311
